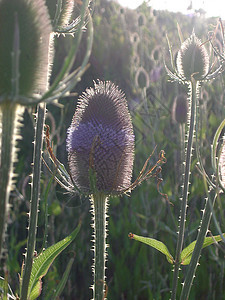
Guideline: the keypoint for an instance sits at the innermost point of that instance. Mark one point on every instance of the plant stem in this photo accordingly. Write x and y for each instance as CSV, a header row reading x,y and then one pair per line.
x,y
193,100
35,191
99,203
10,122
198,247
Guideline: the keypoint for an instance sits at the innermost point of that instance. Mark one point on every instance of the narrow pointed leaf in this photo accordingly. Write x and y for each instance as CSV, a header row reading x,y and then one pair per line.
x,y
42,263
158,245
63,281
186,254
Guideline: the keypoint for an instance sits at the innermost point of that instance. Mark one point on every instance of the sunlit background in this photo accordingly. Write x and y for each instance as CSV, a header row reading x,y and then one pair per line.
x,y
213,8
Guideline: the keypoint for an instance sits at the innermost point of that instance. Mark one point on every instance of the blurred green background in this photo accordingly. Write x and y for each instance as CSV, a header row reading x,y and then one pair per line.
x,y
129,49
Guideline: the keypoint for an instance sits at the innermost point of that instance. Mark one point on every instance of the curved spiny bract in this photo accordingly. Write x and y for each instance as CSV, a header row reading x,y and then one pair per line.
x,y
101,137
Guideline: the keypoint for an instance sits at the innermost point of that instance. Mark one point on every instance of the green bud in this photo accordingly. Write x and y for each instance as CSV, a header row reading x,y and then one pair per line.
x,y
180,109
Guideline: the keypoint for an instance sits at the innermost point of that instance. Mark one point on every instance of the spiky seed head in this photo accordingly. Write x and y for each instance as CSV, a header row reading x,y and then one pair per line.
x,y
24,46
192,59
180,109
66,11
101,137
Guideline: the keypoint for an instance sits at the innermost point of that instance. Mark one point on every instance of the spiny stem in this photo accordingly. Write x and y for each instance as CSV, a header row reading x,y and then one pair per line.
x,y
198,247
193,99
35,191
99,203
10,114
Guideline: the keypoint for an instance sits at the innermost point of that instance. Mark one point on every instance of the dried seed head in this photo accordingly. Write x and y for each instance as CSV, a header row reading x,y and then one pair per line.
x,y
142,78
180,109
156,53
192,59
141,20
24,47
101,137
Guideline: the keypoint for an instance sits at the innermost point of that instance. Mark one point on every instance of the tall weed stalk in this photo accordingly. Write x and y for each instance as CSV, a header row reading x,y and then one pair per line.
x,y
39,133
185,187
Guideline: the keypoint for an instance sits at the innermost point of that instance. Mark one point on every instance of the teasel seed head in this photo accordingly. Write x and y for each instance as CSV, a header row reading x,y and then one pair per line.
x,y
101,138
192,59
141,20
142,78
65,14
180,109
24,47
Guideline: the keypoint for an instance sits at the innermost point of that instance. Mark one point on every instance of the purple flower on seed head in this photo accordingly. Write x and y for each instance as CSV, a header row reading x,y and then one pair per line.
x,y
101,137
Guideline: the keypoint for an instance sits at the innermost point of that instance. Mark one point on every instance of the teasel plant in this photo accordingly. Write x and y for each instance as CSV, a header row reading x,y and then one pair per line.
x,y
24,72
214,184
192,67
100,146
27,33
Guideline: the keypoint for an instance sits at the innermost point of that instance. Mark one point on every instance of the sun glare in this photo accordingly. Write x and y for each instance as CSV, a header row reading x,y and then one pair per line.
x,y
215,8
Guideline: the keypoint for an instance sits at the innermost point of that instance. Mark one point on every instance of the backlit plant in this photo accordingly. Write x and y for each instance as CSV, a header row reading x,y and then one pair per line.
x,y
26,56
100,145
192,67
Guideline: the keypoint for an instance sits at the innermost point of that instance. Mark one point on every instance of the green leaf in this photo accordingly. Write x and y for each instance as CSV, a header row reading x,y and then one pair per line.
x,y
43,261
186,254
155,244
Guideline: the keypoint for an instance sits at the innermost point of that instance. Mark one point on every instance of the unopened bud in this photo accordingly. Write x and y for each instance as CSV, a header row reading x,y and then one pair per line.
x,y
180,109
